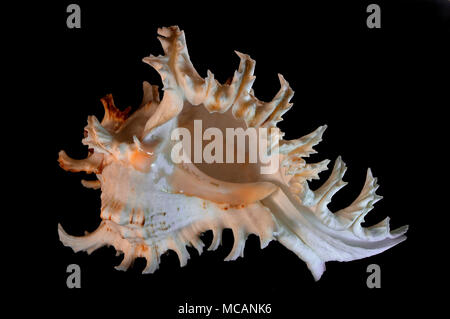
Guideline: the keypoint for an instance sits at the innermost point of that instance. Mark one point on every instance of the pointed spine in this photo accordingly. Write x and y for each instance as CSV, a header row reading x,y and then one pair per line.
x,y
178,73
113,118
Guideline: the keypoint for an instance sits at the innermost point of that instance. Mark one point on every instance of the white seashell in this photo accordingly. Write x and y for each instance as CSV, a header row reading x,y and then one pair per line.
x,y
150,204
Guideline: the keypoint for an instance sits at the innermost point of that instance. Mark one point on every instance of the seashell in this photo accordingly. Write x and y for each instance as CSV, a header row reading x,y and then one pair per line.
x,y
152,203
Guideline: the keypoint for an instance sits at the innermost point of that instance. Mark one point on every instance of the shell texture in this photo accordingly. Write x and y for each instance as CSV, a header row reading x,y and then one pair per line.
x,y
152,204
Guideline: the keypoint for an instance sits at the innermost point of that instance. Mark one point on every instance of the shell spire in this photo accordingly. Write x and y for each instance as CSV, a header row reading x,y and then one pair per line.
x,y
177,72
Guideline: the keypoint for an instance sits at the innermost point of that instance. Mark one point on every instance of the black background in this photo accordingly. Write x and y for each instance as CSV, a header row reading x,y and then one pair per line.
x,y
379,91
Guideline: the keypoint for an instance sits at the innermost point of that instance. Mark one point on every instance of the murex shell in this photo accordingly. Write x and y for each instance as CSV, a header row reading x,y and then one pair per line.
x,y
151,204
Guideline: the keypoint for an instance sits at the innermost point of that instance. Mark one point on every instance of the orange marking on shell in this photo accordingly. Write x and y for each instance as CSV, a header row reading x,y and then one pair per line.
x,y
112,112
142,249
141,161
114,210
131,216
141,217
